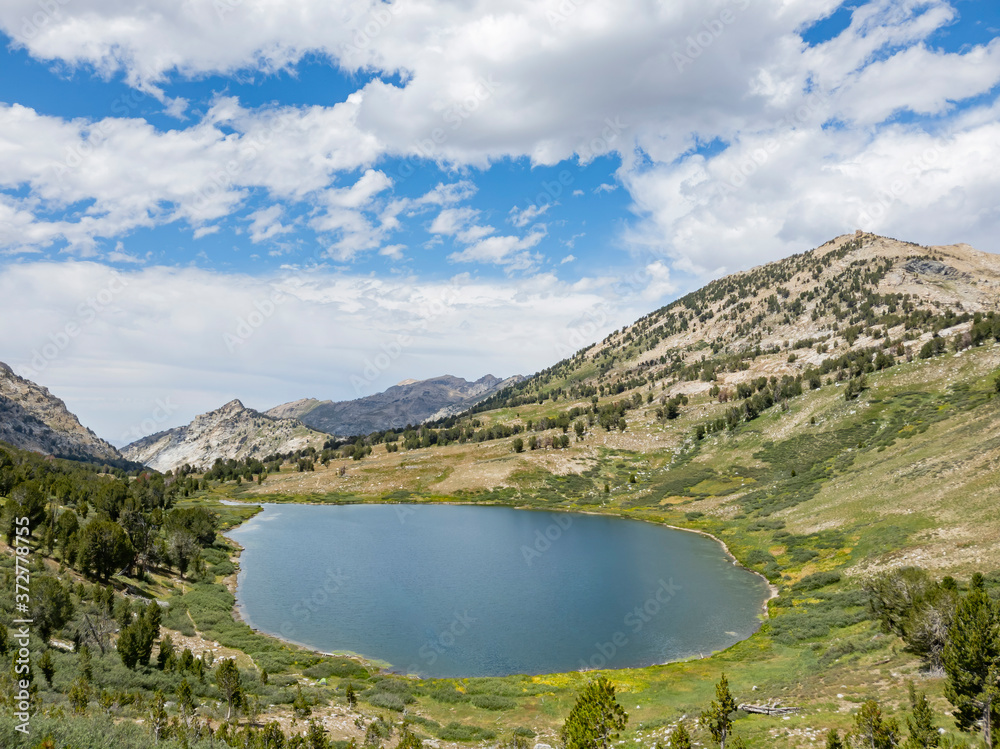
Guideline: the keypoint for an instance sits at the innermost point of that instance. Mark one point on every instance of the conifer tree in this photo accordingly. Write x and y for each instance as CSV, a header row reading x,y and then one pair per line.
x,y
972,662
596,718
923,734
718,717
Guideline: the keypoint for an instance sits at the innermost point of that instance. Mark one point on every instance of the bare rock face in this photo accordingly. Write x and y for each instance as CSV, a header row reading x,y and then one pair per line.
x,y
32,418
409,402
230,432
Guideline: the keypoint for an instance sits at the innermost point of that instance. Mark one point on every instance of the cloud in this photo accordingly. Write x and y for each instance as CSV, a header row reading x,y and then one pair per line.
x,y
201,338
521,218
466,85
266,224
501,250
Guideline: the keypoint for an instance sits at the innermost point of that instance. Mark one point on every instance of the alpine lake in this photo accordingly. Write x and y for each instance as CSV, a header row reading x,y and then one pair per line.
x,y
463,591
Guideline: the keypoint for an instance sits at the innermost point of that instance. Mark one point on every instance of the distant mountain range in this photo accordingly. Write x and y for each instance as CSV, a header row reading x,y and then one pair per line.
x,y
409,402
33,419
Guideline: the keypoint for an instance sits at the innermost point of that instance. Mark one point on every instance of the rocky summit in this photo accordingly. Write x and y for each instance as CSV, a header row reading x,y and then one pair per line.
x,y
230,432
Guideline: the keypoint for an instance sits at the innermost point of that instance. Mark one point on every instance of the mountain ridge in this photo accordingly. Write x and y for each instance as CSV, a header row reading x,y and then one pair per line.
x,y
409,402
231,431
33,419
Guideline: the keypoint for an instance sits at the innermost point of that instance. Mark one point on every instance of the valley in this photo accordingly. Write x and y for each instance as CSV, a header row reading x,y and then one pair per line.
x,y
829,418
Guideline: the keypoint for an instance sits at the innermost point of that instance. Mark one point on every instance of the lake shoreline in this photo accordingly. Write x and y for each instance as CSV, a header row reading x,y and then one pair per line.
x,y
240,615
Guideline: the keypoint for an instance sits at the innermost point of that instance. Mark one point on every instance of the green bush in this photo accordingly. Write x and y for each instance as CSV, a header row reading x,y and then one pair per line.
x,y
448,695
343,668
493,702
817,580
460,732
389,700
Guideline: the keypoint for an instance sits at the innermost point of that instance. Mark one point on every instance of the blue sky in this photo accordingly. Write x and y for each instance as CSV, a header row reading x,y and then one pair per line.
x,y
495,182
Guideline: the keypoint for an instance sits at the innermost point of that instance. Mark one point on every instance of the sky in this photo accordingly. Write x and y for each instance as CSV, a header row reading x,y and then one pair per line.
x,y
278,199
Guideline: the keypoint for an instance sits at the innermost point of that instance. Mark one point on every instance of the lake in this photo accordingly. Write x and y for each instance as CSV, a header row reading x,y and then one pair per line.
x,y
453,590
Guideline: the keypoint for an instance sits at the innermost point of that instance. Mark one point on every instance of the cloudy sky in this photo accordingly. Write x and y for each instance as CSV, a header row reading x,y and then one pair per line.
x,y
275,199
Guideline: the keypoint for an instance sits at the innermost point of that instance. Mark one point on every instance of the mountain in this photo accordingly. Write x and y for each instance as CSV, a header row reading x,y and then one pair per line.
x,y
33,419
409,402
853,293
232,431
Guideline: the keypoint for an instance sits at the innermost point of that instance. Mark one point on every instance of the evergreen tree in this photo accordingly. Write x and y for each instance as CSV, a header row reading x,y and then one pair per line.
x,y
167,655
833,740
79,695
872,730
300,705
128,647
923,734
230,683
51,606
316,736
718,717
408,740
104,549
596,718
971,660
185,698
680,738
352,698
47,666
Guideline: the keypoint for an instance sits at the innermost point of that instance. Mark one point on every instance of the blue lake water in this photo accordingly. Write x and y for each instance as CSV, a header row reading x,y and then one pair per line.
x,y
448,591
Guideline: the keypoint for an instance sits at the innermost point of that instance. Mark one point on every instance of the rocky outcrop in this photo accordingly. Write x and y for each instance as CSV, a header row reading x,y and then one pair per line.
x,y
409,402
32,418
232,431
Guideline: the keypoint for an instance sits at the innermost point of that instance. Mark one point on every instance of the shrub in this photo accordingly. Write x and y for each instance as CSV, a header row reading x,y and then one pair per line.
x,y
817,580
493,702
389,701
459,732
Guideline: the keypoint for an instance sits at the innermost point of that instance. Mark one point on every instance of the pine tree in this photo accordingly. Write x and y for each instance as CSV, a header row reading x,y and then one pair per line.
x,y
872,730
680,738
718,716
972,662
408,740
300,705
185,698
596,718
352,698
833,740
923,734
230,683
47,666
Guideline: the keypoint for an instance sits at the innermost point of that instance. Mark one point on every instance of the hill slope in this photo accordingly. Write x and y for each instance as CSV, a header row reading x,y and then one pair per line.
x,y
230,432
33,419
409,402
